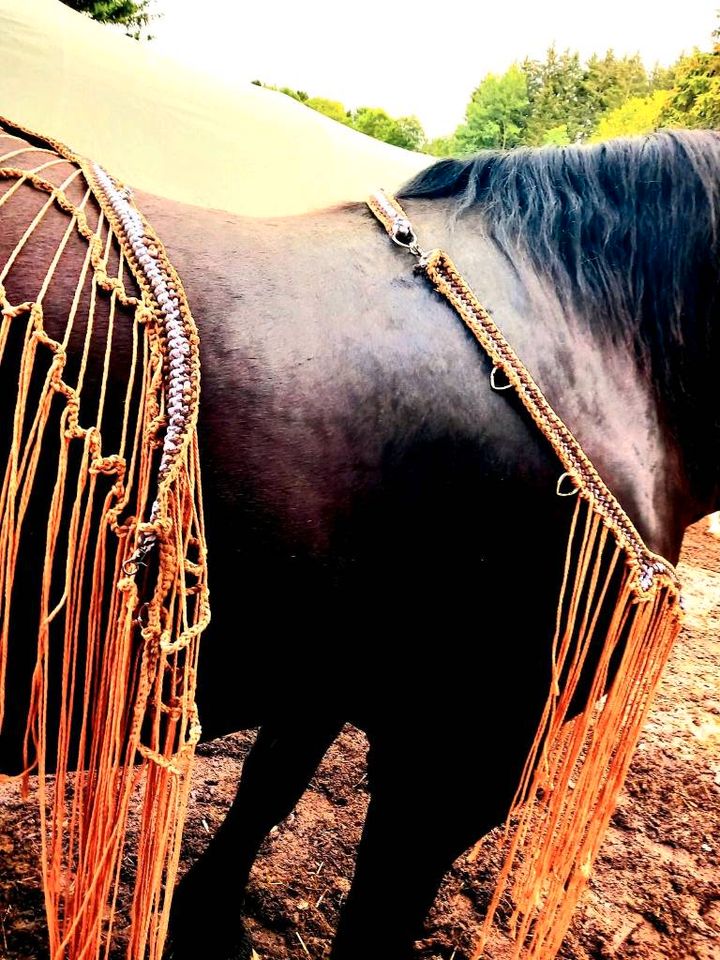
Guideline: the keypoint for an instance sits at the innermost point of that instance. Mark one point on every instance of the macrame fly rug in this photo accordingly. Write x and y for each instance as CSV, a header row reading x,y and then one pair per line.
x,y
114,585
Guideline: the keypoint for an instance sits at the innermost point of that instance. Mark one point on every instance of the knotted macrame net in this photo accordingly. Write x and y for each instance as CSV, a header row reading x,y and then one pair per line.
x,y
103,593
618,615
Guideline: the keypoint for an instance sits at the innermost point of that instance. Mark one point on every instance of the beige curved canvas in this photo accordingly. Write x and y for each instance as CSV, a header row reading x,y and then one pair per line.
x,y
168,129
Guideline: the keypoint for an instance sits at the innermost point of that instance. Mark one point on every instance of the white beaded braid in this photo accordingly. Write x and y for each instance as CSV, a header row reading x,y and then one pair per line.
x,y
180,403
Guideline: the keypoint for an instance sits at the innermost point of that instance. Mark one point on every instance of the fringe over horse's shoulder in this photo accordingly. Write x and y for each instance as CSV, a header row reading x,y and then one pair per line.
x,y
616,597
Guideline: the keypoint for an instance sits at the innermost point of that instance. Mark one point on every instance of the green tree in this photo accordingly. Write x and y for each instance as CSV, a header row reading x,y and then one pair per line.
x,y
374,122
557,95
611,80
134,15
663,78
409,134
636,115
695,98
331,108
404,132
557,136
497,114
299,95
441,147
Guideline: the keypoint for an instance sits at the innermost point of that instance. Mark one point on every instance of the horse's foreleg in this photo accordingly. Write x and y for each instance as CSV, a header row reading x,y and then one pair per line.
x,y
206,909
425,810
404,852
400,865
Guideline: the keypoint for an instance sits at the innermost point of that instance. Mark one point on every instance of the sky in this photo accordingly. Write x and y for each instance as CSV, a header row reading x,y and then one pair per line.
x,y
421,57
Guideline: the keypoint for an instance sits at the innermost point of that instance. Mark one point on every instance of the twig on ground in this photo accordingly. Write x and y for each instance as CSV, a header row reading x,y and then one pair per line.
x,y
302,943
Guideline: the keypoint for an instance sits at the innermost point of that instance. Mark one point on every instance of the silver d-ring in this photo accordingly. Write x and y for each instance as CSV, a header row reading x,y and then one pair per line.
x,y
559,491
493,382
142,619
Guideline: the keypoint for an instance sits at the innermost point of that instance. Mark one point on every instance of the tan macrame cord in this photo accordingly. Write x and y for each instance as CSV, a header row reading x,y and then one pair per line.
x,y
615,595
125,635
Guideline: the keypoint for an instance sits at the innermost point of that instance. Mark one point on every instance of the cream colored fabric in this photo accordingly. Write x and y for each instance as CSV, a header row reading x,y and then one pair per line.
x,y
172,131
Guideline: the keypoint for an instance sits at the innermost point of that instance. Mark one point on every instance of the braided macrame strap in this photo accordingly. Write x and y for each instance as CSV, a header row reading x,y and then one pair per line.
x,y
446,279
616,598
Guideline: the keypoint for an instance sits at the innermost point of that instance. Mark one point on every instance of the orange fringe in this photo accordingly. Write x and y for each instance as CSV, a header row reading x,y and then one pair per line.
x,y
618,598
577,765
127,650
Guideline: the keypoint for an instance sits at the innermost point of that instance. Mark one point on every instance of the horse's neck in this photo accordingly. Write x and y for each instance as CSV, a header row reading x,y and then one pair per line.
x,y
597,388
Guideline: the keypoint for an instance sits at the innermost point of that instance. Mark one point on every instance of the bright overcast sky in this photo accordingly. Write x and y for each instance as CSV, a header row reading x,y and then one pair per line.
x,y
422,57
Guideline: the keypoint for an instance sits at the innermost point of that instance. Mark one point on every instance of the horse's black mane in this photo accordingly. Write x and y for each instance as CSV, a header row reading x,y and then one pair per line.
x,y
626,231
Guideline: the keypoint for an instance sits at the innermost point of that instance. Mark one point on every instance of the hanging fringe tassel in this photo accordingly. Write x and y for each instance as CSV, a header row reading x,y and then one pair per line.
x,y
617,617
122,638
578,764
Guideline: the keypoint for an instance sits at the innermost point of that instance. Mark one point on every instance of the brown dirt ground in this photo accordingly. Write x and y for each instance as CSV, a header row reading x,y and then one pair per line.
x,y
655,892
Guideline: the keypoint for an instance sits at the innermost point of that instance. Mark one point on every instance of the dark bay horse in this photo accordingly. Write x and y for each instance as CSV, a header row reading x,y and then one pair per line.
x,y
384,537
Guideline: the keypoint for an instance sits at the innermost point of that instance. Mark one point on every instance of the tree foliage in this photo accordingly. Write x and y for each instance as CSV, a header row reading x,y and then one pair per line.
x,y
663,78
331,108
611,81
409,134
556,101
497,114
557,136
557,96
695,98
374,122
134,15
299,95
636,115
441,147
565,101
559,100
406,132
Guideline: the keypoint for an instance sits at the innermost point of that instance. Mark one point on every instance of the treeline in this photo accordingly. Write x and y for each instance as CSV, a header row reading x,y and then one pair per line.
x,y
558,100
134,15
404,132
